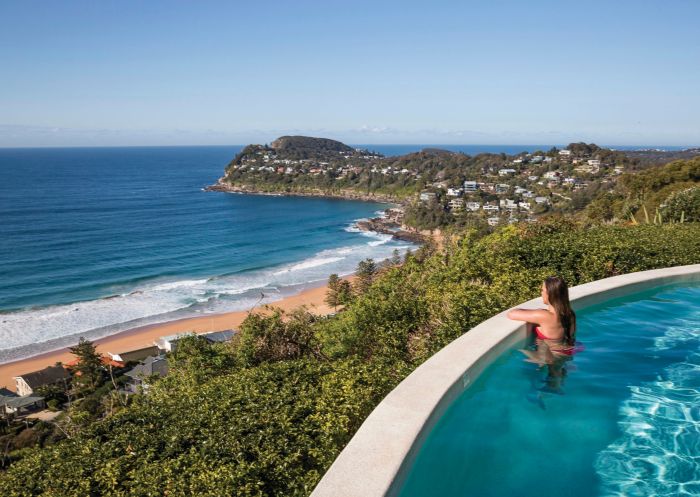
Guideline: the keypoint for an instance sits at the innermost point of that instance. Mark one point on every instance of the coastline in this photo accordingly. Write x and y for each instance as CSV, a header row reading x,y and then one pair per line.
x,y
144,336
221,186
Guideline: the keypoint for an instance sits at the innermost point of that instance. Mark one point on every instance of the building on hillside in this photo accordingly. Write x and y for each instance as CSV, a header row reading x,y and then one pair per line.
x,y
428,196
506,172
456,204
493,221
471,186
149,367
565,153
490,208
473,206
454,192
27,383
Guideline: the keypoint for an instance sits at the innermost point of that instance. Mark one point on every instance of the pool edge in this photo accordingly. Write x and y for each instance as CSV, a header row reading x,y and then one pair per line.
x,y
377,459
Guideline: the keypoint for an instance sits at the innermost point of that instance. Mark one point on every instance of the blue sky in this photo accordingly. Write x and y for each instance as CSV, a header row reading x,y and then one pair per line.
x,y
82,73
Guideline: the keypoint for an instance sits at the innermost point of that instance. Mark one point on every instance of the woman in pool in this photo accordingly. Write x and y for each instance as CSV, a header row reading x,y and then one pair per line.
x,y
555,326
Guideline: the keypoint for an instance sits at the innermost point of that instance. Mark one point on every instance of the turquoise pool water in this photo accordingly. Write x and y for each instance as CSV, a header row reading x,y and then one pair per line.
x,y
621,418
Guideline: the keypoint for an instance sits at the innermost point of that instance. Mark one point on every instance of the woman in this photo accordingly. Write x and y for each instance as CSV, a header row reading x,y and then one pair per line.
x,y
556,325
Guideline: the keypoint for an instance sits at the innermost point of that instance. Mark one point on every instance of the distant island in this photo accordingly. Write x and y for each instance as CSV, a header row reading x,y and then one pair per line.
x,y
436,188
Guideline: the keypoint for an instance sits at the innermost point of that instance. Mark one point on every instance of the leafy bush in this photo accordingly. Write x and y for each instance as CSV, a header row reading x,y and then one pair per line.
x,y
269,414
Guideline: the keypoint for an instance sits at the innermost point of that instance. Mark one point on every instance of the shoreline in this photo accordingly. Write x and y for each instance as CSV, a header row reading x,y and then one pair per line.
x,y
221,186
143,336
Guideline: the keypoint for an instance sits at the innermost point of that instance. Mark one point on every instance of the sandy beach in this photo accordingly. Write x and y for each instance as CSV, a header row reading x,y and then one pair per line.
x,y
144,336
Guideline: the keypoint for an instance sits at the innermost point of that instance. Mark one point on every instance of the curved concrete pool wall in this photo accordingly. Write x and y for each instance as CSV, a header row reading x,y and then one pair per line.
x,y
377,459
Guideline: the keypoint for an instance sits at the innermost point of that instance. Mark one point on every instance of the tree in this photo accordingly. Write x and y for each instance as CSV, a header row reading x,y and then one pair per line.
x,y
344,292
684,205
366,270
89,371
332,296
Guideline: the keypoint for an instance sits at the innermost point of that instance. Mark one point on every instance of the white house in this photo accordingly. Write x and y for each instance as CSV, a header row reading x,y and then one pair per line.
x,y
541,200
470,186
491,208
506,172
524,206
552,175
493,221
454,192
565,153
473,206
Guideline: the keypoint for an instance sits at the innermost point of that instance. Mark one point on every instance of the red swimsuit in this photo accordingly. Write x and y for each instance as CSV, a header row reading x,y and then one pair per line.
x,y
566,351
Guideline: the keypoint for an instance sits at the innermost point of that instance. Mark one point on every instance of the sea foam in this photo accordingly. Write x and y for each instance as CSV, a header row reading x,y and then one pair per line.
x,y
32,331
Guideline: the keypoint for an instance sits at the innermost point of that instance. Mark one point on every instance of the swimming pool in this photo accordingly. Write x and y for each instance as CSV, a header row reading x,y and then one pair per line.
x,y
621,418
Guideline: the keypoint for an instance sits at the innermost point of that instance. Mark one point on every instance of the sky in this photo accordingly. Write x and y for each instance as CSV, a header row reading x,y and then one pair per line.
x,y
86,73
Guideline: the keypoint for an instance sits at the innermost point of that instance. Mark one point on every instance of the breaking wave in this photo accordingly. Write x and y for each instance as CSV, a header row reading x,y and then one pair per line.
x,y
32,331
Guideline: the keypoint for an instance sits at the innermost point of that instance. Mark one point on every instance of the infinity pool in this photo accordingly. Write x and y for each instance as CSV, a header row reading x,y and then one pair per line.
x,y
621,418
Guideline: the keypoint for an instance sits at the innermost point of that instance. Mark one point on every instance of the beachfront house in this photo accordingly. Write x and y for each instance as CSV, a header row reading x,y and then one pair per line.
x,y
27,383
169,343
149,367
218,336
13,404
134,355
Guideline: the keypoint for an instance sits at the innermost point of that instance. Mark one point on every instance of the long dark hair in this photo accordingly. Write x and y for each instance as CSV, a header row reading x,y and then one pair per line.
x,y
558,296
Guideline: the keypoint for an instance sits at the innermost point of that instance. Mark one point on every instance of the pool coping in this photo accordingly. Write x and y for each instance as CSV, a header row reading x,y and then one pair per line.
x,y
377,459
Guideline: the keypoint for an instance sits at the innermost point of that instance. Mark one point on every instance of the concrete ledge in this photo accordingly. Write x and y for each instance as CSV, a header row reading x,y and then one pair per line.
x,y
377,459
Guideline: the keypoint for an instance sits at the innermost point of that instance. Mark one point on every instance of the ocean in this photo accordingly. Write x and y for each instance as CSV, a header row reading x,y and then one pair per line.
x,y
98,240
94,241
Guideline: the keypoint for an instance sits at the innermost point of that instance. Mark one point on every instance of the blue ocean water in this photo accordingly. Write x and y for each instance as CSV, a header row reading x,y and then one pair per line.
x,y
97,240
622,418
393,150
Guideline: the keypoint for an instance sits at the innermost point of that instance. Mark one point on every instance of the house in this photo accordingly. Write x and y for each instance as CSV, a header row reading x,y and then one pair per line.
x,y
501,188
428,196
551,175
594,162
506,172
470,186
11,403
150,366
473,206
541,200
454,192
565,153
508,204
524,206
456,204
491,208
169,343
493,221
218,336
134,355
28,383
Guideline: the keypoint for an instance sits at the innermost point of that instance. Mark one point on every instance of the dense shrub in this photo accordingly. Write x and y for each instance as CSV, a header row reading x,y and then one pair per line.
x,y
268,415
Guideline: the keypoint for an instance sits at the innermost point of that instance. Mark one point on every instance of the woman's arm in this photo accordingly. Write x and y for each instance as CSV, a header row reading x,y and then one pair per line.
x,y
536,316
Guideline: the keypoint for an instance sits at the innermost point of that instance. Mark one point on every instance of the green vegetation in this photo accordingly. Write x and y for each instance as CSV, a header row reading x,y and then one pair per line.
x,y
267,414
648,191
